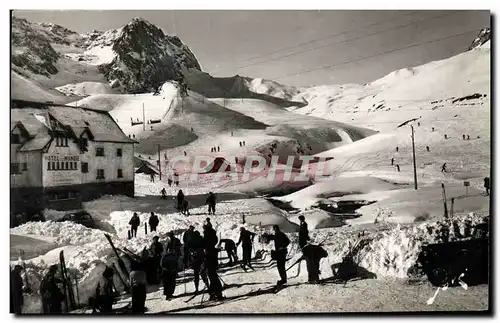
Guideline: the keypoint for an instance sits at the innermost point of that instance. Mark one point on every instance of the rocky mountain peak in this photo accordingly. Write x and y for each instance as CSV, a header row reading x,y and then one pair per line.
x,y
483,36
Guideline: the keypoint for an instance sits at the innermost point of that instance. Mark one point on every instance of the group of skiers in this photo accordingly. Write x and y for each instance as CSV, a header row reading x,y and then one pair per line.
x,y
174,180
242,143
215,149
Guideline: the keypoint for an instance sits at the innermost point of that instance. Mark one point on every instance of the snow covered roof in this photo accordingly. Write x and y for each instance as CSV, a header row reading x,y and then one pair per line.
x,y
34,116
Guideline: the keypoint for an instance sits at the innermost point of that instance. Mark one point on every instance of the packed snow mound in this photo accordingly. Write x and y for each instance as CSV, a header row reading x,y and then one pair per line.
x,y
64,232
259,85
85,89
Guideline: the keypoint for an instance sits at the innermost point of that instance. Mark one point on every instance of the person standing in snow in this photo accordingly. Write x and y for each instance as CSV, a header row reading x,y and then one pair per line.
x,y
169,265
468,137
180,200
392,161
281,243
105,292
230,248
174,244
176,179
134,224
303,232
185,207
164,191
138,284
16,290
211,201
197,256
443,168
186,239
153,221
397,148
240,143
218,148
463,136
487,185
244,144
312,254
397,167
152,175
246,239
52,297
211,262
156,251
427,148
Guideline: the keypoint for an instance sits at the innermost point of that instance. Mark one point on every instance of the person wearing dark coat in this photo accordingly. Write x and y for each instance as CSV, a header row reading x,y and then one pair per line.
x,y
246,239
180,199
312,254
174,244
16,290
443,168
197,255
164,191
156,251
230,248
153,221
138,284
281,243
211,200
186,239
185,207
134,224
105,292
487,185
208,223
211,262
303,232
52,297
169,265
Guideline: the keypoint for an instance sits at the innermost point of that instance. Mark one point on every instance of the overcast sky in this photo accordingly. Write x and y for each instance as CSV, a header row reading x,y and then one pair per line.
x,y
225,41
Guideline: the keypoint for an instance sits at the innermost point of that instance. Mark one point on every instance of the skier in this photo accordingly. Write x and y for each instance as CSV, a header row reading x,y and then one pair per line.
x,y
105,293
427,148
445,136
246,239
211,262
211,203
156,251
443,168
240,144
208,223
52,297
169,181
186,239
164,191
16,290
433,129
244,144
185,207
138,283
463,137
281,242
134,224
392,161
174,244
197,263
230,248
185,153
176,178
152,175
418,123
169,264
153,221
180,200
487,185
312,254
218,148
468,137
397,167
192,129
397,148
303,232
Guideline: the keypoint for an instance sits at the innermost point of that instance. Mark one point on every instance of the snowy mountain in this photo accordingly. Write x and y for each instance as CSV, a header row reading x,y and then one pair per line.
x,y
136,58
483,37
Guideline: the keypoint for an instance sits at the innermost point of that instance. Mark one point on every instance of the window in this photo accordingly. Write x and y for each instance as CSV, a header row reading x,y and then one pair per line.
x,y
100,174
67,165
61,142
119,152
75,165
48,166
66,142
15,139
14,168
85,167
99,151
57,166
25,166
120,173
62,166
53,166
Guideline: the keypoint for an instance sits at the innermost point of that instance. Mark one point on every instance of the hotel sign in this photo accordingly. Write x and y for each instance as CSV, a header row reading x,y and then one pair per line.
x,y
62,158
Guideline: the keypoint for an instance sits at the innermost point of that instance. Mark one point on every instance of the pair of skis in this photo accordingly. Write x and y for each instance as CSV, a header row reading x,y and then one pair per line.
x,y
69,295
121,264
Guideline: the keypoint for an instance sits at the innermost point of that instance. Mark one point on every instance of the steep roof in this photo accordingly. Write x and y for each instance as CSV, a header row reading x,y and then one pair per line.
x,y
34,116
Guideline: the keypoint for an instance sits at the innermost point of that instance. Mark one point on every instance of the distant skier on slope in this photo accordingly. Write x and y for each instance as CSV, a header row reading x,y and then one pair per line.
x,y
211,201
392,161
427,148
397,167
443,168
180,200
487,185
